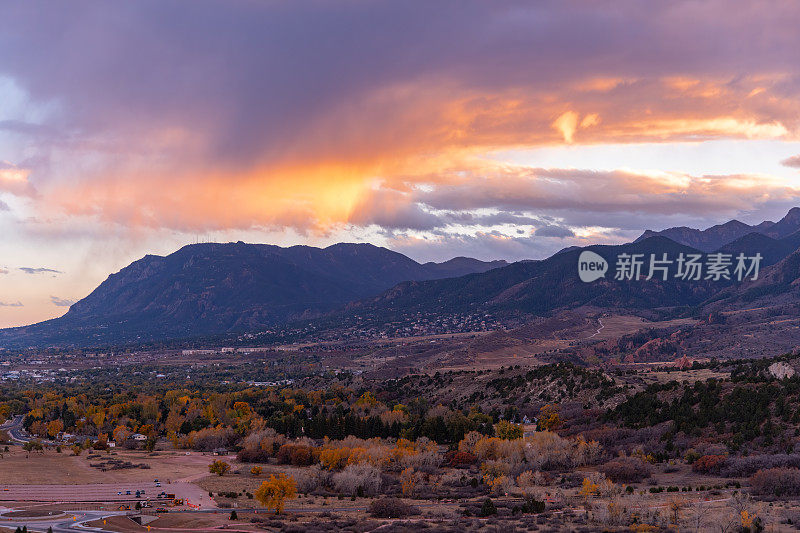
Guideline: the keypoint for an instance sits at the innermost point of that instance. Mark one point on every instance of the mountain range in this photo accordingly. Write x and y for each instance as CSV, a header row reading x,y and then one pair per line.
x,y
208,289
205,289
715,237
546,286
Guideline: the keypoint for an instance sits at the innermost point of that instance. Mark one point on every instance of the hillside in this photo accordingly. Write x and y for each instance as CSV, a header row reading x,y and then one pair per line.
x,y
540,287
205,289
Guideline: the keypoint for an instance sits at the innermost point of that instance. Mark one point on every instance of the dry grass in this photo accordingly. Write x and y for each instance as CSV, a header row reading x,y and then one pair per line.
x,y
177,522
19,467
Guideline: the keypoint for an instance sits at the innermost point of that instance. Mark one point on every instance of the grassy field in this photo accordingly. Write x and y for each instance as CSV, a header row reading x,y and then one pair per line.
x,y
19,467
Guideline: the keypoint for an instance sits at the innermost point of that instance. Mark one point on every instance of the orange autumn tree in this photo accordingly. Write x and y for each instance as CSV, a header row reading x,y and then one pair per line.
x,y
54,428
274,492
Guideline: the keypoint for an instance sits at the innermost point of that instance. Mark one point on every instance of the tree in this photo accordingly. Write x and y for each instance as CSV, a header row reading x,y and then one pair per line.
x,y
33,446
256,470
219,467
589,488
508,431
487,508
409,479
234,516
121,434
274,492
675,506
549,418
54,428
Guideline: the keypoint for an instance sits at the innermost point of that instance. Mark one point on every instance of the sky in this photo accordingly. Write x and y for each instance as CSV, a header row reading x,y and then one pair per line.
x,y
487,129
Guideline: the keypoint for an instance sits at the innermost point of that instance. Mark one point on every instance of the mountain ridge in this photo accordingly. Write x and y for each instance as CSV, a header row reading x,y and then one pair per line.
x,y
214,288
714,237
221,288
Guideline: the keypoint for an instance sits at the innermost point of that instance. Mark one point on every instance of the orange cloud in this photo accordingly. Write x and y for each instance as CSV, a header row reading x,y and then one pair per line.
x,y
14,179
430,131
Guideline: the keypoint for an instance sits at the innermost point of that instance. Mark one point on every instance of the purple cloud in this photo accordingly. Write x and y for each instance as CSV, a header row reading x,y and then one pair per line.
x,y
39,270
793,162
61,302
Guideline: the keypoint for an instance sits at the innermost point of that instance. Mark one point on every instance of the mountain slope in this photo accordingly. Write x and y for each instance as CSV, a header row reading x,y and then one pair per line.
x,y
771,250
214,288
540,287
706,240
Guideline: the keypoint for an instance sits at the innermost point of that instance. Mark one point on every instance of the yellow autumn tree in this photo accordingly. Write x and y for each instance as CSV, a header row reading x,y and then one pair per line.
x,y
274,492
508,430
549,417
219,468
589,488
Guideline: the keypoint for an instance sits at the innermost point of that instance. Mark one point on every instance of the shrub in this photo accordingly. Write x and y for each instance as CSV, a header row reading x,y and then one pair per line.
x,y
253,455
459,459
532,506
487,508
259,446
691,456
391,508
362,479
296,454
747,466
776,482
210,439
709,464
626,470
310,479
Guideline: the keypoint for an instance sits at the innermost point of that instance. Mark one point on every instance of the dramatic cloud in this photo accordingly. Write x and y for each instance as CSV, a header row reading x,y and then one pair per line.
x,y
61,302
32,270
284,114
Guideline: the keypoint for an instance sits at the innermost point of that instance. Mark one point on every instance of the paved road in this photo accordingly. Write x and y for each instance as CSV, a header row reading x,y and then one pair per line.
x,y
70,522
15,430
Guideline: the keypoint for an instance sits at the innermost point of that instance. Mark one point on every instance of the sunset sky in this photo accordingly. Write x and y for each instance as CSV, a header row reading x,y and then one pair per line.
x,y
492,129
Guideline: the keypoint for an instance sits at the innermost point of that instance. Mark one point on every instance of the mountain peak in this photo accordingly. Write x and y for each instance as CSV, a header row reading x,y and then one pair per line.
x,y
719,235
212,288
787,225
